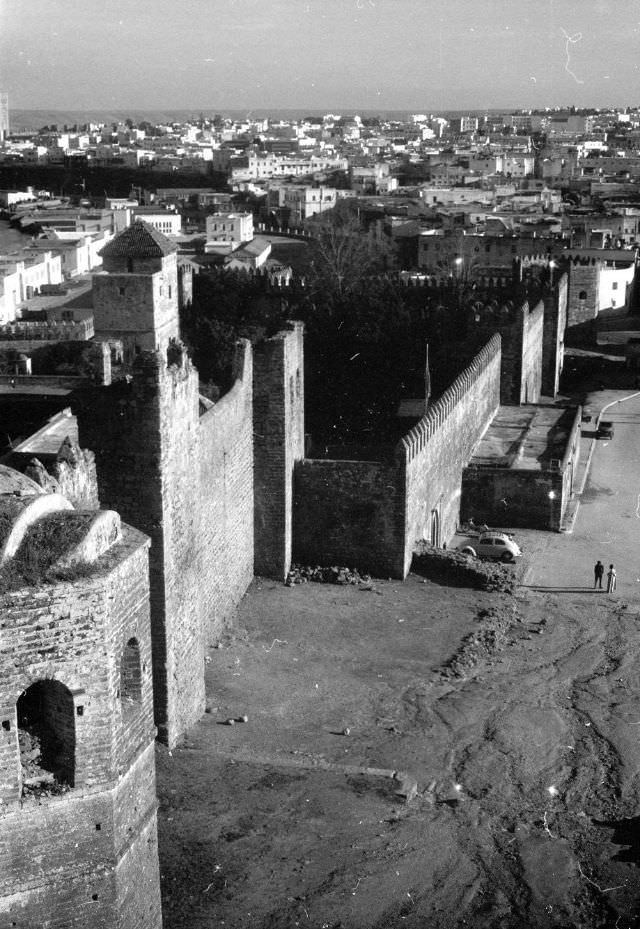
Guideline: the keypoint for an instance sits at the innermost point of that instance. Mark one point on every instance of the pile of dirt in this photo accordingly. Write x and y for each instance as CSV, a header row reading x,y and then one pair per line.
x,y
489,638
460,570
301,574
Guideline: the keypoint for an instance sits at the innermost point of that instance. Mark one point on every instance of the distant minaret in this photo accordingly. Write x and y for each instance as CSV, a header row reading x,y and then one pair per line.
x,y
4,116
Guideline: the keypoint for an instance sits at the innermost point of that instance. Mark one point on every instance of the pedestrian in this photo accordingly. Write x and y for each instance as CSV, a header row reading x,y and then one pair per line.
x,y
598,572
611,579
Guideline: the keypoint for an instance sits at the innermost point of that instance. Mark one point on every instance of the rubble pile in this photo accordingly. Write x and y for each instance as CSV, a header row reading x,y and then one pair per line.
x,y
37,781
489,638
301,574
461,570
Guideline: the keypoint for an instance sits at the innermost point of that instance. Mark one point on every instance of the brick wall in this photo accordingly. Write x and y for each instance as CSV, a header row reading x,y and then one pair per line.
x,y
434,453
144,435
532,326
484,491
349,513
60,854
278,397
225,498
89,859
555,322
369,514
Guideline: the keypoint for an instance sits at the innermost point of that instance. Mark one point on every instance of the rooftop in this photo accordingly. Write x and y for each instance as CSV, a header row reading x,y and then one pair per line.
x,y
139,241
525,437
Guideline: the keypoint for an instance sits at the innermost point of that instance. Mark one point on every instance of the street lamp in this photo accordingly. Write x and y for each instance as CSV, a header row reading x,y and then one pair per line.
x,y
552,496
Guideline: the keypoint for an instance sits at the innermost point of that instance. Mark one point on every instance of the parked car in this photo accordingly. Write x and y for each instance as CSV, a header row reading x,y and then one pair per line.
x,y
493,546
605,430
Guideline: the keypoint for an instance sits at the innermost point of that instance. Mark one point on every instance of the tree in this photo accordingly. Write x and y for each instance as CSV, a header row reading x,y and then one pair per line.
x,y
343,254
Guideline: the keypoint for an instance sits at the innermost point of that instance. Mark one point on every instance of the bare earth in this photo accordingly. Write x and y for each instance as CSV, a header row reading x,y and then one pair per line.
x,y
515,801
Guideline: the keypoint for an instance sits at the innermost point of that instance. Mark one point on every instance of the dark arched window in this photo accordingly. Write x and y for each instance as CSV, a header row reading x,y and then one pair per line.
x,y
47,737
582,295
130,674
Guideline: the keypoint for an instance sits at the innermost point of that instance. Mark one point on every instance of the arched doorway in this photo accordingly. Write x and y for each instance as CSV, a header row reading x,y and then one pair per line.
x,y
435,528
47,736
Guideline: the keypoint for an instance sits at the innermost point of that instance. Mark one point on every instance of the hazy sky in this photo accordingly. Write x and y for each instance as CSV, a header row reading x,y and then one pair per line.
x,y
422,55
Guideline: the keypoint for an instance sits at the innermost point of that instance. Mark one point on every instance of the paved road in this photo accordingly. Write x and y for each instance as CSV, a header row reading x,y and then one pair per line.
x,y
607,524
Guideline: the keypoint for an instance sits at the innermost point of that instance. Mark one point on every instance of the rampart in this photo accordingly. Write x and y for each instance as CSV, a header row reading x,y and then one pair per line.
x,y
433,454
225,498
369,514
145,438
278,396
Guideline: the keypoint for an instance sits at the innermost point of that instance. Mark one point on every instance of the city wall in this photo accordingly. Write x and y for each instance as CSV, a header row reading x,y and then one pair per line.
x,y
349,513
369,514
225,498
555,323
278,396
433,454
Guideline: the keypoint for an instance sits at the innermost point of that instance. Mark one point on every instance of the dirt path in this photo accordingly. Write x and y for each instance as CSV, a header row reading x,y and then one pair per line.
x,y
512,726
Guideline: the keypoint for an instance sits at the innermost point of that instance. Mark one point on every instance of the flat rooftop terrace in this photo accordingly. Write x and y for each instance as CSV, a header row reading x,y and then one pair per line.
x,y
525,437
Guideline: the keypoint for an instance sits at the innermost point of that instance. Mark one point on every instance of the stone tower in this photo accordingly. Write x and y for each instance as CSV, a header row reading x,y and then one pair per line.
x,y
135,297
145,437
78,826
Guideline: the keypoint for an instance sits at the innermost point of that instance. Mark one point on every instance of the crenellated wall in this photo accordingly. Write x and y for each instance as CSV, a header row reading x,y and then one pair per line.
x,y
433,454
369,514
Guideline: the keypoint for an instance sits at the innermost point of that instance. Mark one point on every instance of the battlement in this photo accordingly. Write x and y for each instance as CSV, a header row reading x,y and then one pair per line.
x,y
415,440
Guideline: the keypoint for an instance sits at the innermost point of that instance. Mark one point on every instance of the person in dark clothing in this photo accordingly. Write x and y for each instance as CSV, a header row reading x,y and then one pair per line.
x,y
598,573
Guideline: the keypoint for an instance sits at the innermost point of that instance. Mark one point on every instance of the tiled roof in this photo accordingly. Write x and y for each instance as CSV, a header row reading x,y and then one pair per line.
x,y
140,240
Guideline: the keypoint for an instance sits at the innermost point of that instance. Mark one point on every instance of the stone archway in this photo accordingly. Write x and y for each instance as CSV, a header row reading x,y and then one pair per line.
x,y
47,736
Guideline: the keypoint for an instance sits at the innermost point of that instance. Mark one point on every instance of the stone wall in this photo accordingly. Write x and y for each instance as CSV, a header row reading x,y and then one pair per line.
x,y
583,305
62,854
349,513
225,498
555,323
369,514
138,308
433,454
532,327
278,397
145,437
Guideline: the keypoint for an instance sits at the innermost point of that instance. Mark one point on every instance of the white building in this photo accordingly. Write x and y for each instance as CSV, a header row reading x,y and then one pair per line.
x,y
226,231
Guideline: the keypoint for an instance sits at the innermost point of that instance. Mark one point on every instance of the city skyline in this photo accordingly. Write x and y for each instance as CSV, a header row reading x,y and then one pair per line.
x,y
342,54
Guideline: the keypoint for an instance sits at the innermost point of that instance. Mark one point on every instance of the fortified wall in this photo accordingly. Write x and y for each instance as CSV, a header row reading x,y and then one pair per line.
x,y
434,453
555,324
183,470
78,831
370,513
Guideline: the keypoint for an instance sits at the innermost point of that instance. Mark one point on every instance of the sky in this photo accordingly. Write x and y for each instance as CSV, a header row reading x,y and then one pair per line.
x,y
418,55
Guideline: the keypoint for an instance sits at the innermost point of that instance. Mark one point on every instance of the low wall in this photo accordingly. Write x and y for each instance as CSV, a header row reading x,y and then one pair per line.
x,y
349,513
513,497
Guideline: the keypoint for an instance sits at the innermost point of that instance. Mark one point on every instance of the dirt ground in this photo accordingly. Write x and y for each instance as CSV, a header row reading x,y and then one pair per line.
x,y
414,755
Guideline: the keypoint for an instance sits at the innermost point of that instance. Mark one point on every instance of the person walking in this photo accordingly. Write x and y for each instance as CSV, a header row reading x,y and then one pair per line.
x,y
598,573
611,579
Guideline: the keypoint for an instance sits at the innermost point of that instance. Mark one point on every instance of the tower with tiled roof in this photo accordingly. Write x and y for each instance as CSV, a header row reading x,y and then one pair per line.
x,y
135,296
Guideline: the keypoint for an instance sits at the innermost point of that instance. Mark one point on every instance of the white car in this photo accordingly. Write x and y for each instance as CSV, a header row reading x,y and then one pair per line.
x,y
493,546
